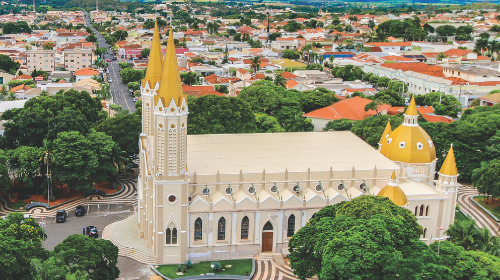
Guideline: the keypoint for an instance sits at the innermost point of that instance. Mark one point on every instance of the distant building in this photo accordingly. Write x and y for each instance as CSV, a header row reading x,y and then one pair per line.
x,y
40,60
77,59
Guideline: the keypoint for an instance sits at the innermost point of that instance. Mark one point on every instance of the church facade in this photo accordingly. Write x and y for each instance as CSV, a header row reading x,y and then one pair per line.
x,y
208,197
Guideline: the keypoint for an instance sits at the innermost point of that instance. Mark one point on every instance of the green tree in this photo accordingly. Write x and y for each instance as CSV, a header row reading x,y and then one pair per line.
x,y
5,181
332,244
486,178
103,147
131,75
212,114
190,78
7,64
318,98
266,123
74,159
348,72
279,80
339,125
255,64
123,65
145,52
25,163
97,257
446,30
124,129
91,38
133,86
291,54
120,35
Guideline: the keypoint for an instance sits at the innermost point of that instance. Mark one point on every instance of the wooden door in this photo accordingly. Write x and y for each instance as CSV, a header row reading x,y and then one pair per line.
x,y
267,241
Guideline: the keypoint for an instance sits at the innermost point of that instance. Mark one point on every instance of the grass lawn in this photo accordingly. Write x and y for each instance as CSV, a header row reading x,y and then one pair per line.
x,y
493,207
238,267
459,216
18,204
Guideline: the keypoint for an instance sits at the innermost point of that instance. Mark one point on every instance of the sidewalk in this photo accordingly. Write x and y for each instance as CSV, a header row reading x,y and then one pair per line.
x,y
126,234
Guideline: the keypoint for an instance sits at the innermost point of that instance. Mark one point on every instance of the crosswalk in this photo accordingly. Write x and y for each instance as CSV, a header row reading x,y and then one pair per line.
x,y
128,195
268,269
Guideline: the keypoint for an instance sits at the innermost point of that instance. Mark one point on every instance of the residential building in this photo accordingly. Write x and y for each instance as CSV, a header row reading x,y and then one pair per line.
x,y
77,59
41,60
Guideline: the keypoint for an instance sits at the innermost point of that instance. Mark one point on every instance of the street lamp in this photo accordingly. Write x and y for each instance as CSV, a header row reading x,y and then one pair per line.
x,y
439,242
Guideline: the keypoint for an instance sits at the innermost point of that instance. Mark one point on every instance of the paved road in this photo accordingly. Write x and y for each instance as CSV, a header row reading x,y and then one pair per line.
x,y
482,219
120,91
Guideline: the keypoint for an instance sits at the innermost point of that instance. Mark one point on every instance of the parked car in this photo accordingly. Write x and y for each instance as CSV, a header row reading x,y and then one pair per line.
x,y
92,231
135,99
107,71
80,210
110,81
61,216
132,165
114,58
108,60
131,90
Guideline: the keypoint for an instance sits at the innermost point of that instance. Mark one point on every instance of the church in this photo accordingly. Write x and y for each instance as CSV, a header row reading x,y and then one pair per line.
x,y
222,196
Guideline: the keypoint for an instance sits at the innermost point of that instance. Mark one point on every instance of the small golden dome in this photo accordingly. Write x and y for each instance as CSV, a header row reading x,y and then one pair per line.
x,y
449,167
383,139
394,192
409,142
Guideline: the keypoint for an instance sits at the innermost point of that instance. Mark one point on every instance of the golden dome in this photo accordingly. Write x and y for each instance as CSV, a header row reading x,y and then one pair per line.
x,y
449,167
383,139
394,192
409,142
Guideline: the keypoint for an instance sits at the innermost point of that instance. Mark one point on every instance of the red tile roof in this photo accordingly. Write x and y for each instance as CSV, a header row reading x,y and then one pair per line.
x,y
426,112
352,109
86,72
433,70
291,84
288,75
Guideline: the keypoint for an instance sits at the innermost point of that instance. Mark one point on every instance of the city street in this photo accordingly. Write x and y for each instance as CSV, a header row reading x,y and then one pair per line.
x,y
98,217
120,91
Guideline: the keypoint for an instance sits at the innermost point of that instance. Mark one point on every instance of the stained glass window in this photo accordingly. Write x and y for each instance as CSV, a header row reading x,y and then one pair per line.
x,y
197,229
244,228
167,236
174,236
291,226
221,233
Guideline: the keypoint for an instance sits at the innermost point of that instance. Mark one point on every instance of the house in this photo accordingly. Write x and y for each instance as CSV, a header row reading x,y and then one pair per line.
x,y
351,109
5,77
291,84
390,46
86,73
490,99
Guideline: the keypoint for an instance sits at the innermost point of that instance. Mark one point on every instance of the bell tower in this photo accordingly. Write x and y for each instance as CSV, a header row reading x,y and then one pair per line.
x,y
447,183
165,190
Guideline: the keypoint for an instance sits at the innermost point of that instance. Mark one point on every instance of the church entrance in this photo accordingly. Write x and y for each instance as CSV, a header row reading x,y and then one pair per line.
x,y
267,238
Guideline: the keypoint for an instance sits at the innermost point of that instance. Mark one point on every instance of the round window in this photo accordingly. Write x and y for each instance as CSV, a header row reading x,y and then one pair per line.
x,y
172,198
362,186
296,188
319,187
229,190
340,187
274,189
420,146
205,191
389,141
402,144
251,190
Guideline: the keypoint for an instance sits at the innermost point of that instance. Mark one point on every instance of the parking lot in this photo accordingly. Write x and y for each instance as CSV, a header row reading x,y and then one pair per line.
x,y
98,215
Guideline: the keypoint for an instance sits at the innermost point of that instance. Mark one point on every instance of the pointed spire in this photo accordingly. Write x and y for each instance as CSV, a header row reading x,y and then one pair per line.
x,y
412,108
387,131
394,192
393,177
155,63
449,167
170,84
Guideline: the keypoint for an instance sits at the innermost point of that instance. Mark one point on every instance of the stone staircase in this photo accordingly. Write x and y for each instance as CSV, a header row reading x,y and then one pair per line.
x,y
124,251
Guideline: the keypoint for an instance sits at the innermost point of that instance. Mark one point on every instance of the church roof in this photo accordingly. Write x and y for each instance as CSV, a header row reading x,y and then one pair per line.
x,y
170,83
275,152
155,63
449,166
394,192
385,134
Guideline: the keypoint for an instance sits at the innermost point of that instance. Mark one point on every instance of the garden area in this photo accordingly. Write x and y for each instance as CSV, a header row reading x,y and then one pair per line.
x,y
493,204
459,217
224,267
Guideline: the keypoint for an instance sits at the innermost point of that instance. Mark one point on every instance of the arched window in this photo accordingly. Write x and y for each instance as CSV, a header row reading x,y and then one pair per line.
x,y
427,210
167,236
425,231
198,226
244,228
268,226
416,210
174,236
421,210
221,232
291,226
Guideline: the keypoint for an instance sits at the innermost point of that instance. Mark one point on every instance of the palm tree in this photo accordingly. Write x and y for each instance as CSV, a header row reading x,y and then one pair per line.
x,y
463,233
279,80
494,48
255,64
12,96
340,47
360,47
3,92
44,93
306,49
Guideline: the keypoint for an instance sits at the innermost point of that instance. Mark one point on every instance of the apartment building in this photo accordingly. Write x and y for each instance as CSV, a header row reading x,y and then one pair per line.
x,y
76,59
40,60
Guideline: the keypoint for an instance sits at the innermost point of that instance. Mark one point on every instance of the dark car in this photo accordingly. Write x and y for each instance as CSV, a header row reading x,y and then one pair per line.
x,y
61,216
114,58
80,210
92,231
132,165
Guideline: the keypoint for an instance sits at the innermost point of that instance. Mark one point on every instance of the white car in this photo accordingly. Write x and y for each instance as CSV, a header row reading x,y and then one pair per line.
x,y
130,90
110,81
135,99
